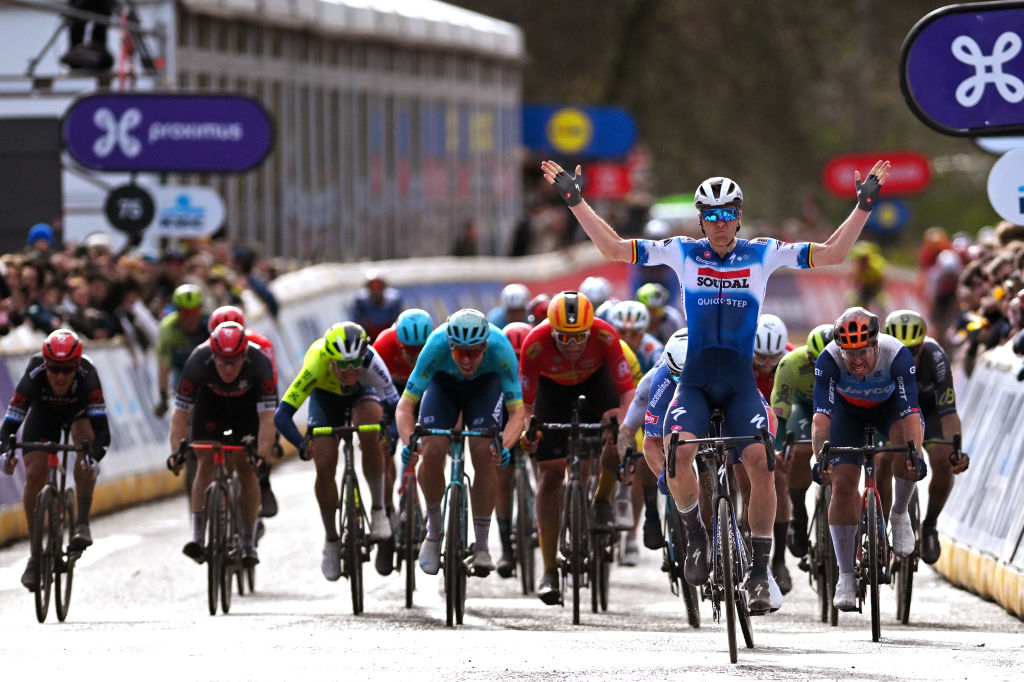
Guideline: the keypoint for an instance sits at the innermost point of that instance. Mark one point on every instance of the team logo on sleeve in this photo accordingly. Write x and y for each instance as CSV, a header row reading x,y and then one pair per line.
x,y
605,336
534,349
651,418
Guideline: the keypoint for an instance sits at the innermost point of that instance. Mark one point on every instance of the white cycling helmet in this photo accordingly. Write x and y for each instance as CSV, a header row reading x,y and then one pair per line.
x,y
630,316
674,354
718,191
597,289
772,335
515,296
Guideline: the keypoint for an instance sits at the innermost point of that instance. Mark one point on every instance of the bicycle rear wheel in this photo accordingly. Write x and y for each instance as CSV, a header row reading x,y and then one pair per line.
x,y
65,573
409,535
874,565
216,544
231,566
45,540
353,535
454,549
906,567
574,529
727,564
522,543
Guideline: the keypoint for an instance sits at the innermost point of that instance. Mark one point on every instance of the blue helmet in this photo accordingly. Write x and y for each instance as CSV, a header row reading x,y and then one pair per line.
x,y
413,327
467,327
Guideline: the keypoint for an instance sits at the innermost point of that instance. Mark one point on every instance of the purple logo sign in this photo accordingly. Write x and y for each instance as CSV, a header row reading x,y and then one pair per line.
x,y
961,69
184,133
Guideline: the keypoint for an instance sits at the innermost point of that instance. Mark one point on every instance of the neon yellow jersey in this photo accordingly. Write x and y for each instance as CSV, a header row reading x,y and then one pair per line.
x,y
794,380
634,364
317,372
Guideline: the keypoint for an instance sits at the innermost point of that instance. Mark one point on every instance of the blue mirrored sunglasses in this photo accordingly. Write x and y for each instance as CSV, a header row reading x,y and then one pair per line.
x,y
726,213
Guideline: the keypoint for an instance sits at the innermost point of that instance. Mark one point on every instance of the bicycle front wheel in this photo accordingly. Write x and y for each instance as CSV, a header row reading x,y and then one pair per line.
x,y
574,529
906,567
409,535
454,570
65,573
46,533
874,565
727,564
216,544
524,530
353,535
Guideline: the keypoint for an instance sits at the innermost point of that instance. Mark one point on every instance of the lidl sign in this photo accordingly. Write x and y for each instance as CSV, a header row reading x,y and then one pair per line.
x,y
578,132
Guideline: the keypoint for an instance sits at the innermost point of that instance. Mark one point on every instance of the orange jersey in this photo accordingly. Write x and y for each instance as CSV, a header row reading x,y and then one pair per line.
x,y
539,357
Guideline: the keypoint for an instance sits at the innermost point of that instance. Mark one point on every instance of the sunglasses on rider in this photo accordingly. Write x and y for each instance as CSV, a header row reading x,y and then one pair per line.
x,y
571,337
766,359
343,365
467,352
62,368
723,213
851,354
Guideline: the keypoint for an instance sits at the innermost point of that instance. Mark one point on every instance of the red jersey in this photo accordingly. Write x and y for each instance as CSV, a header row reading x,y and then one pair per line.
x,y
266,346
539,357
766,382
387,347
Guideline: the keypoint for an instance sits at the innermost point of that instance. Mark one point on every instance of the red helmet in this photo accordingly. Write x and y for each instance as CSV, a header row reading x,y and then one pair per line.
x,y
516,333
856,328
62,345
538,309
228,340
226,313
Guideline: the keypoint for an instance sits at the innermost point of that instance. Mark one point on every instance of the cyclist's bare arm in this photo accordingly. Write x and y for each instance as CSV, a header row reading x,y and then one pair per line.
x,y
820,425
405,418
179,427
514,427
608,242
838,245
265,436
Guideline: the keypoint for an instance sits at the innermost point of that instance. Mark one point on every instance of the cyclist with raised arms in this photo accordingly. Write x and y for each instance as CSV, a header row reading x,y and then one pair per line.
x,y
399,346
792,400
227,385
60,389
864,378
230,313
568,355
466,371
937,399
341,372
514,299
723,283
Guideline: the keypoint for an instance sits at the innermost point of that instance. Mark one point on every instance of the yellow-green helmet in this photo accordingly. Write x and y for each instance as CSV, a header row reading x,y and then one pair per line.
x,y
908,326
819,337
346,342
187,297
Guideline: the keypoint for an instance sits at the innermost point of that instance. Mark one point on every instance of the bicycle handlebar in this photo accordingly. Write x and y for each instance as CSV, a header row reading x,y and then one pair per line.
x,y
177,458
51,447
956,442
791,442
870,450
351,428
764,437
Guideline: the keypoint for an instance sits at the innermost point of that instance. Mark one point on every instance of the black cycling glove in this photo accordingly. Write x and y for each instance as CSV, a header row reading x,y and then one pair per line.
x,y
569,187
867,193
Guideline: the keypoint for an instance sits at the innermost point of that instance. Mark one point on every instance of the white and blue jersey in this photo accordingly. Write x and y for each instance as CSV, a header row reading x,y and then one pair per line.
x,y
722,299
436,357
722,296
888,393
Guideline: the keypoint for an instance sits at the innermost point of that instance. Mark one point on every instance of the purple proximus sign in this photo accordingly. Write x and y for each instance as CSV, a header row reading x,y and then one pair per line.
x,y
962,69
165,133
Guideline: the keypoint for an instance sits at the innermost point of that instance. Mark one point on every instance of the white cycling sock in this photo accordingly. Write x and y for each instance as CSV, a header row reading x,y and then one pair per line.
x,y
903,490
844,539
433,521
481,529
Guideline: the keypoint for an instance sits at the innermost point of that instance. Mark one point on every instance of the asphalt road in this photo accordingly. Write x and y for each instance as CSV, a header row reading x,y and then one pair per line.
x,y
139,608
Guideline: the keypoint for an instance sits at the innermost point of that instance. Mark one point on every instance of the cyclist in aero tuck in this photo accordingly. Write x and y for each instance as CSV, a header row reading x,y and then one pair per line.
x,y
722,280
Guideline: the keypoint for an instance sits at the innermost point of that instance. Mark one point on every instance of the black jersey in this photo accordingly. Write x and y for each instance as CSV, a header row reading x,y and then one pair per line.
x,y
935,379
255,380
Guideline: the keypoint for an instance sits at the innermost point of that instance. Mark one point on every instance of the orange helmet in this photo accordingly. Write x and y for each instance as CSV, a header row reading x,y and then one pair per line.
x,y
570,311
856,328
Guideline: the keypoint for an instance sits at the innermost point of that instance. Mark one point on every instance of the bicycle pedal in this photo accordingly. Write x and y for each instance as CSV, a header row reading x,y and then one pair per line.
x,y
804,565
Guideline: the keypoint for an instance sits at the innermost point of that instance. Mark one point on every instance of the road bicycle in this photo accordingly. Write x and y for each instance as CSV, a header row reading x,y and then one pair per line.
x,y
53,525
586,551
223,551
730,557
873,555
352,518
820,561
524,528
456,554
410,530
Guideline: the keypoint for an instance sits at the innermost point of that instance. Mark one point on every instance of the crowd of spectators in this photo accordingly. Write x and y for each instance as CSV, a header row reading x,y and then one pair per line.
x,y
99,293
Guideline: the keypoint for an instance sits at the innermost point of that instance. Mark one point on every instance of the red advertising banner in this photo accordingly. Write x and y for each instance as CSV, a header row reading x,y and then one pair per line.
x,y
910,173
607,180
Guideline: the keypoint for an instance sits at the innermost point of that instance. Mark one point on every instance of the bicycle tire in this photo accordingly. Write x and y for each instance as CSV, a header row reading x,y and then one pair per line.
x,y
830,560
43,539
407,519
65,574
575,529
873,567
906,567
352,540
727,574
675,545
595,560
214,545
250,578
522,543
605,572
453,552
741,566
